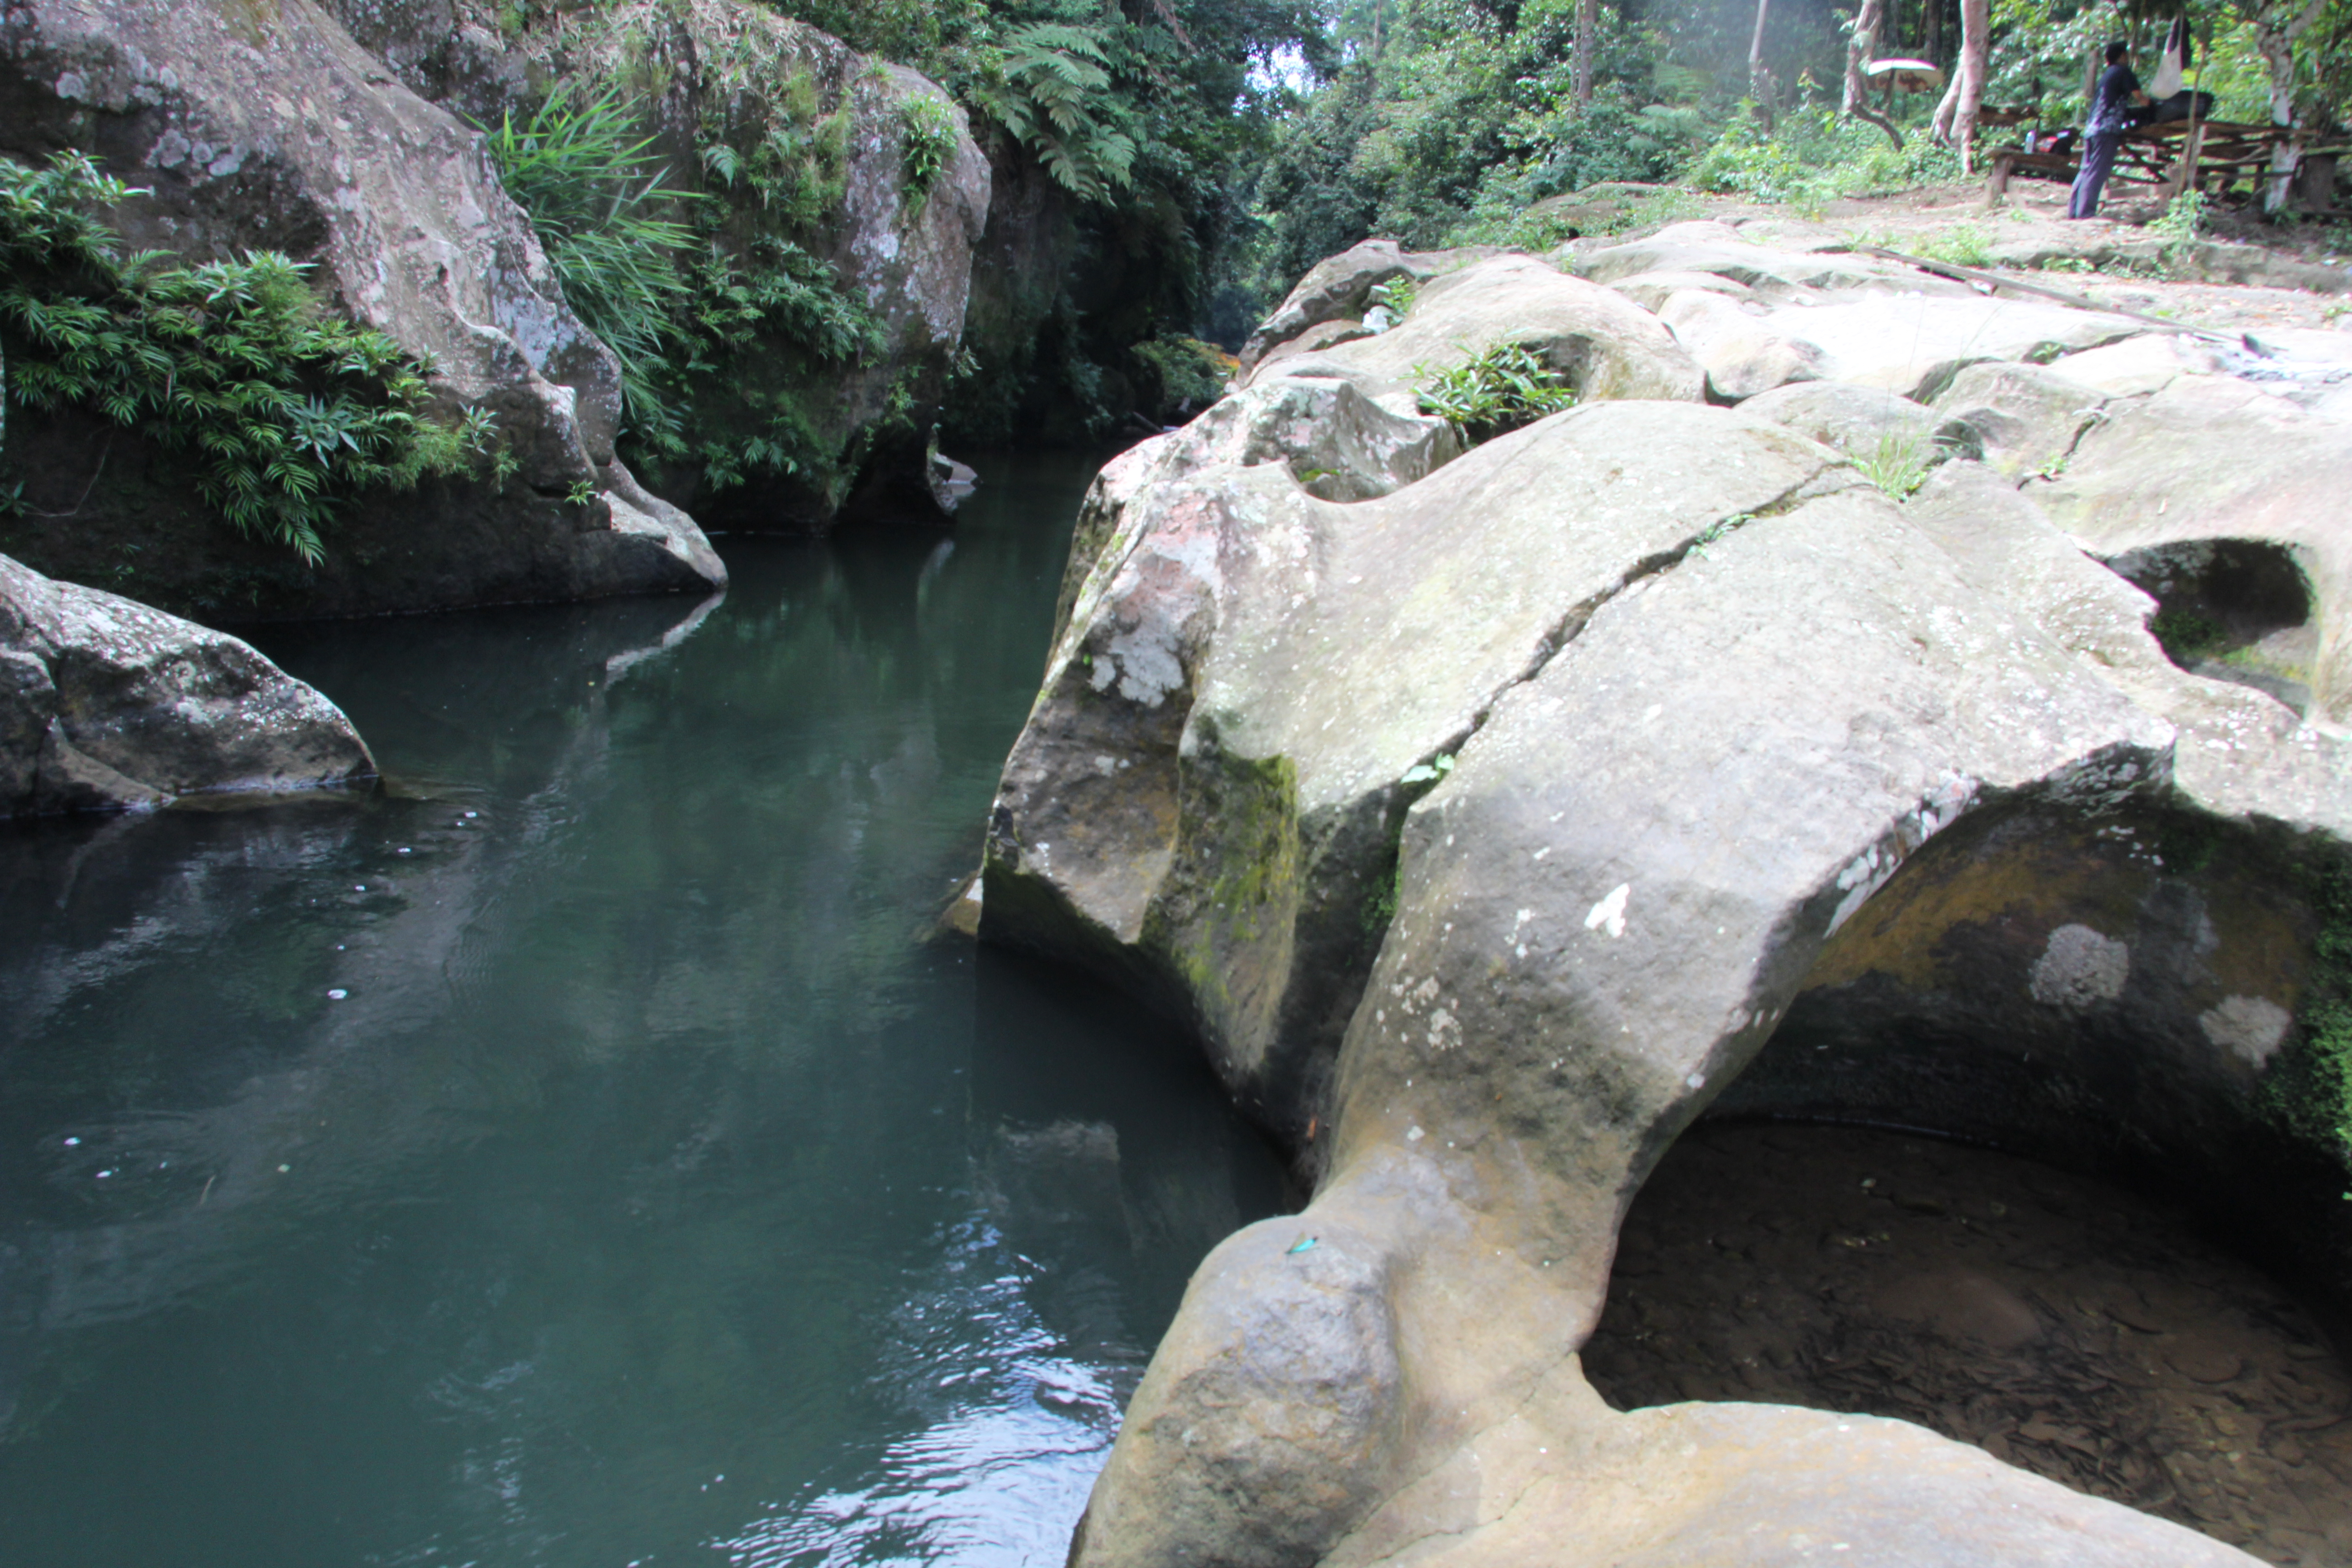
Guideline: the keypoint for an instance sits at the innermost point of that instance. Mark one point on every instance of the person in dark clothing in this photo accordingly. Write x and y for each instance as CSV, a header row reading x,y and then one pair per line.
x,y
2111,104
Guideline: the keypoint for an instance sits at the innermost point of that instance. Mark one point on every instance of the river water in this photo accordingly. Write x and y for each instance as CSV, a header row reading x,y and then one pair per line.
x,y
576,1152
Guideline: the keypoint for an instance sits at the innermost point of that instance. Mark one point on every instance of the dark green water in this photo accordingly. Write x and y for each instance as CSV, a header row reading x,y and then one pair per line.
x,y
654,1194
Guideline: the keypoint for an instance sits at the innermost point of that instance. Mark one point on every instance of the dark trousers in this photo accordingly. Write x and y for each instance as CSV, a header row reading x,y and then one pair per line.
x,y
2098,163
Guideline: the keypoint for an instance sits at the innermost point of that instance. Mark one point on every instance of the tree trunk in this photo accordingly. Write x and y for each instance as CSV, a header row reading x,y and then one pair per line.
x,y
1931,27
1588,23
1969,79
1759,82
2276,31
1861,48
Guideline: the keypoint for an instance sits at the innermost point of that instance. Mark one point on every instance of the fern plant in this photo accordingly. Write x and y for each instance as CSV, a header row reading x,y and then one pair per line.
x,y
1052,90
596,196
284,410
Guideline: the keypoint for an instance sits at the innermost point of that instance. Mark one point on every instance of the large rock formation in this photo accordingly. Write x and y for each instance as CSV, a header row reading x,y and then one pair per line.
x,y
107,703
246,131
741,87
1489,828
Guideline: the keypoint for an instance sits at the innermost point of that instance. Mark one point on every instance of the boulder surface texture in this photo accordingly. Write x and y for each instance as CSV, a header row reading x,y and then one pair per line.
x,y
1490,822
107,703
270,130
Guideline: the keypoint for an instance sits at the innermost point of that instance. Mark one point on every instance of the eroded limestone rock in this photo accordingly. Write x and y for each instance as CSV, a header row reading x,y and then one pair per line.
x,y
1606,346
1741,355
1761,763
1859,421
106,703
1339,288
1255,683
2215,458
2020,418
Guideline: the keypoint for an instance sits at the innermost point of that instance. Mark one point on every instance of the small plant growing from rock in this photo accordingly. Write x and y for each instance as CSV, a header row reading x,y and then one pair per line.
x,y
928,134
1499,389
1396,296
1899,464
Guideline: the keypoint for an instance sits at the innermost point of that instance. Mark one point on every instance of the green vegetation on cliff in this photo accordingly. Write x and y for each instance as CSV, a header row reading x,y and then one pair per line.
x,y
281,409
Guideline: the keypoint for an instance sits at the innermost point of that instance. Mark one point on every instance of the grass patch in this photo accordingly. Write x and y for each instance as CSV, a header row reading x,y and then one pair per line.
x,y
1898,465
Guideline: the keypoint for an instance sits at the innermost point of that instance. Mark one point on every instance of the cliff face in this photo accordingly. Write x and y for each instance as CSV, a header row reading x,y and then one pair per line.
x,y
786,136
245,130
1494,816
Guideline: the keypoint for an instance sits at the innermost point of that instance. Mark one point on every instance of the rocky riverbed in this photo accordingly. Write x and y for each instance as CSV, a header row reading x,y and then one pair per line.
x,y
1927,692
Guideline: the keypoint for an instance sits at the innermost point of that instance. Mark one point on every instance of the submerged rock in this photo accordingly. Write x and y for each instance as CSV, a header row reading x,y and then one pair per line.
x,y
106,703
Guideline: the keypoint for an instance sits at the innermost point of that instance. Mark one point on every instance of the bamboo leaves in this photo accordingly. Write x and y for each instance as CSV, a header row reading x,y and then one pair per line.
x,y
284,410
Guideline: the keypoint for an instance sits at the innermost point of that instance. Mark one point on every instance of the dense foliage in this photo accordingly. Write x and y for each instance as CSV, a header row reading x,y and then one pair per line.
x,y
696,315
284,410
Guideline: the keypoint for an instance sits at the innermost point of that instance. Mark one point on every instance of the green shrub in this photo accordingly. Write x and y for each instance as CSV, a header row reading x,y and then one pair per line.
x,y
732,388
1501,388
1811,156
597,199
284,411
1189,371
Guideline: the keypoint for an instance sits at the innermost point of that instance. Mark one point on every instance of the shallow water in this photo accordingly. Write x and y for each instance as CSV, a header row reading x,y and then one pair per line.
x,y
655,1192
2063,1325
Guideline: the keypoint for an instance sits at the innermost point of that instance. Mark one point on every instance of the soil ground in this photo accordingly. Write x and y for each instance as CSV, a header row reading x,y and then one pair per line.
x,y
2062,1324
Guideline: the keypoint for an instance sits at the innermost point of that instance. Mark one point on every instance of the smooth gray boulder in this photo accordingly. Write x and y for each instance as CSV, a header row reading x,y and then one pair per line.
x,y
1646,760
1253,684
2021,419
2216,458
2136,366
1707,246
1340,286
1605,345
1860,421
1915,342
1337,443
1741,355
1593,931
247,131
1651,290
106,703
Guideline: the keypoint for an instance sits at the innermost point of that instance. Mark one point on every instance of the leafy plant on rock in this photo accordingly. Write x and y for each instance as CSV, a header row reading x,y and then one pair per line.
x,y
1497,390
927,131
597,198
284,410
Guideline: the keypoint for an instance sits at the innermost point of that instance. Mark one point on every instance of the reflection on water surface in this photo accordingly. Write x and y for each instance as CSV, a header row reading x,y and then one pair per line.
x,y
651,1194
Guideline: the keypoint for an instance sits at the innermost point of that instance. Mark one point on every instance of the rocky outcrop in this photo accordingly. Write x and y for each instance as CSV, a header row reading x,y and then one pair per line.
x,y
105,703
246,132
1490,828
1600,343
741,87
1340,289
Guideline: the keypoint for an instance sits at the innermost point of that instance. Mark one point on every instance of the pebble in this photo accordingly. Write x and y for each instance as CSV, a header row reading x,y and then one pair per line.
x,y
337,995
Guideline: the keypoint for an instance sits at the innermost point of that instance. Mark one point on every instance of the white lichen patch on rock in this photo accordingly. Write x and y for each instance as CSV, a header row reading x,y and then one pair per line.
x,y
2080,968
2251,1028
